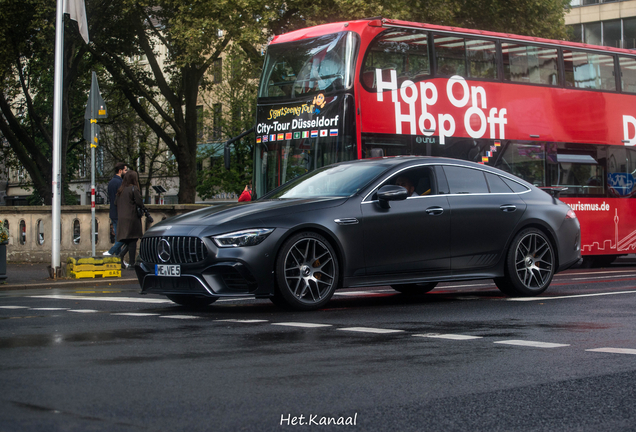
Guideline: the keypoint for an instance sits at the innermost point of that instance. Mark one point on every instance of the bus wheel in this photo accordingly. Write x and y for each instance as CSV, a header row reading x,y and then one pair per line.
x,y
306,271
191,301
415,289
530,264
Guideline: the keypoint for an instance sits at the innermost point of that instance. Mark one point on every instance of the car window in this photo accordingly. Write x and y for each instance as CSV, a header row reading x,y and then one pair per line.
x,y
516,187
496,184
419,180
462,180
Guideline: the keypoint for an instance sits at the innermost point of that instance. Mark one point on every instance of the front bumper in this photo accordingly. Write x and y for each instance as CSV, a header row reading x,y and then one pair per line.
x,y
225,272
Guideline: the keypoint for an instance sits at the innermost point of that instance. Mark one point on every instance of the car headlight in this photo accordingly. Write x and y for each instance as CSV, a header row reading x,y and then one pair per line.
x,y
250,237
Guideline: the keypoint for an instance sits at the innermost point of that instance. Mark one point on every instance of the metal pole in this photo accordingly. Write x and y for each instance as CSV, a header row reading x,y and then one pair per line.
x,y
56,179
93,146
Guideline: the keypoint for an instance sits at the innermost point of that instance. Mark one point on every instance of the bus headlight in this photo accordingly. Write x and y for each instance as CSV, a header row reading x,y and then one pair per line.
x,y
250,237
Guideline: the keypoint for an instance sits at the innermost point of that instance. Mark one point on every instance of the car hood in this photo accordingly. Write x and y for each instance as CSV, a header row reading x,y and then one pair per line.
x,y
225,217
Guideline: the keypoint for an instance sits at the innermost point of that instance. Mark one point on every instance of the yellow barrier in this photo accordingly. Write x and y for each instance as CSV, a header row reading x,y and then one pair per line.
x,y
95,273
80,268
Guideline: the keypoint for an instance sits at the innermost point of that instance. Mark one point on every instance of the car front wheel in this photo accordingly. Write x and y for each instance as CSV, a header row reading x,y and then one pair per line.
x,y
530,264
306,271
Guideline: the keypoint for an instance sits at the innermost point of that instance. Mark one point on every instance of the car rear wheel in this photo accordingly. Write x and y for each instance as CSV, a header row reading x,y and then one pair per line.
x,y
530,264
191,301
415,289
306,271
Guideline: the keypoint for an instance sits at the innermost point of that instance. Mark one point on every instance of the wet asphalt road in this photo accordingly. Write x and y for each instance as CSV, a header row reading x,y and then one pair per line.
x,y
460,358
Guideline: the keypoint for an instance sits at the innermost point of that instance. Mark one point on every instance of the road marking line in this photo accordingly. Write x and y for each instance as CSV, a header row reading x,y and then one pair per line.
x,y
246,321
361,293
50,309
114,299
237,299
589,273
448,336
83,310
184,317
614,350
370,330
463,286
569,296
604,277
14,307
135,314
532,344
300,324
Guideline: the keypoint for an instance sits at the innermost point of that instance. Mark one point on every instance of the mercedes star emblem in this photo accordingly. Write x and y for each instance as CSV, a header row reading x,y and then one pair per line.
x,y
163,250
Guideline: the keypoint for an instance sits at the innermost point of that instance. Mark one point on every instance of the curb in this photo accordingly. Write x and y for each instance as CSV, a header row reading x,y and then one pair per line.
x,y
68,284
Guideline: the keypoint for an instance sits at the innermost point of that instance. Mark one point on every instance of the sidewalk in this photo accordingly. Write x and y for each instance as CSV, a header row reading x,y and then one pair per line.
x,y
25,276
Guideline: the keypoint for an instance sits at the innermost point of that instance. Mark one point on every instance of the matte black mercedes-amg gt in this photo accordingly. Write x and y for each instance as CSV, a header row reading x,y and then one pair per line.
x,y
407,222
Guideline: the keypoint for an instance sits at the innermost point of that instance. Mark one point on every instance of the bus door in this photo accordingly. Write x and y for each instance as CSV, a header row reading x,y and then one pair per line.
x,y
412,237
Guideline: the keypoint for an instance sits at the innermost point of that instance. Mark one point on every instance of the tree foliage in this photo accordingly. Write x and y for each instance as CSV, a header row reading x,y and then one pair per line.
x,y
27,30
237,93
158,55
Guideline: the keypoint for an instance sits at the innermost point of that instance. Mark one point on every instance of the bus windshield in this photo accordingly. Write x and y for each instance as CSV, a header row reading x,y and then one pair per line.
x,y
307,67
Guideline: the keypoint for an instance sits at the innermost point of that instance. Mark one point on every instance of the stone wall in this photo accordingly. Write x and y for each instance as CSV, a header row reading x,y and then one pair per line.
x,y
30,230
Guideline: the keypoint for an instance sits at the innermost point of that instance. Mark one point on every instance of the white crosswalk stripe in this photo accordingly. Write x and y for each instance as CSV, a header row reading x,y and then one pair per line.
x,y
613,350
370,330
448,336
301,324
534,344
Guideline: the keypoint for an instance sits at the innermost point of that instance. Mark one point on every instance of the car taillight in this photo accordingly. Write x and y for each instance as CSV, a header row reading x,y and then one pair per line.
x,y
570,215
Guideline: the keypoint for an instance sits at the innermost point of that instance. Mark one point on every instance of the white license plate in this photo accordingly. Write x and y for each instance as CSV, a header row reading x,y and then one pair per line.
x,y
167,270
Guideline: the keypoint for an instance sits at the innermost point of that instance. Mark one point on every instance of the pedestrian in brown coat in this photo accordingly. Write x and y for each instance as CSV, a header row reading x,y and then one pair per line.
x,y
129,228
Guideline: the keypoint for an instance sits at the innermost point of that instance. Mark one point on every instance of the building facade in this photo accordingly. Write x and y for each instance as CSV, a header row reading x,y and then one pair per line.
x,y
603,22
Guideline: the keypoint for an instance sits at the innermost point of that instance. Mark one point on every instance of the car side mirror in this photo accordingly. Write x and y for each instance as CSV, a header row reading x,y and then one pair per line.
x,y
391,193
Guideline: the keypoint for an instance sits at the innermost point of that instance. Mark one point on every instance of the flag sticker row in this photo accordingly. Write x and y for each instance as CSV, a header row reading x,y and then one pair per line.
x,y
297,135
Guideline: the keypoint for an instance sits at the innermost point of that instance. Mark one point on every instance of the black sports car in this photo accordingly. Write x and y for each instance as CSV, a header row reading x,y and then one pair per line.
x,y
407,222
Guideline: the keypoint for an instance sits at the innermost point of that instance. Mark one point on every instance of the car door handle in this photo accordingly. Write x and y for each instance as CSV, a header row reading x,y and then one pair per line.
x,y
508,208
434,211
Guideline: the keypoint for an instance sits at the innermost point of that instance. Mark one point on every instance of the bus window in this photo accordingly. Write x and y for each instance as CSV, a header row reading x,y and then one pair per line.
x,y
589,70
530,64
628,74
621,171
405,51
525,160
580,170
469,58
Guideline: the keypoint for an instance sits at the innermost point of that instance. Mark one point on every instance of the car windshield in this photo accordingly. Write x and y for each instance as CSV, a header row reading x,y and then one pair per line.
x,y
332,181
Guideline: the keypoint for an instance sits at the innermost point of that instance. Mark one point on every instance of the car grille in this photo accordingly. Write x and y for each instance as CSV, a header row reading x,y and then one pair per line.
x,y
183,250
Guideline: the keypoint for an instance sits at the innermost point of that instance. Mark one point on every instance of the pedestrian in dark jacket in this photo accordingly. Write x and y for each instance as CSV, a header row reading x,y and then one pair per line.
x,y
113,187
129,228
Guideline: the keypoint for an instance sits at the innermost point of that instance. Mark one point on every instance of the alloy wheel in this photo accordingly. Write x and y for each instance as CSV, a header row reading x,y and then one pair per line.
x,y
534,261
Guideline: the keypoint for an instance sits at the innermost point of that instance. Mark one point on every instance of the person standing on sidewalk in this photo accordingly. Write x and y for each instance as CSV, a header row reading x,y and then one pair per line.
x,y
113,187
130,229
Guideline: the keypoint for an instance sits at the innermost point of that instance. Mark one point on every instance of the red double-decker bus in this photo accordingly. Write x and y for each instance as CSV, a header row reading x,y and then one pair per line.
x,y
555,113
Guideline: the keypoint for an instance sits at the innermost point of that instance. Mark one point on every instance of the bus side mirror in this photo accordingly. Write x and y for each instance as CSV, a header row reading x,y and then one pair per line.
x,y
226,156
391,193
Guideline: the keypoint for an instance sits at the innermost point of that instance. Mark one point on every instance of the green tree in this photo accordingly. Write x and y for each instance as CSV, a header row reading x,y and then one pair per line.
x,y
27,30
540,18
237,93
193,34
